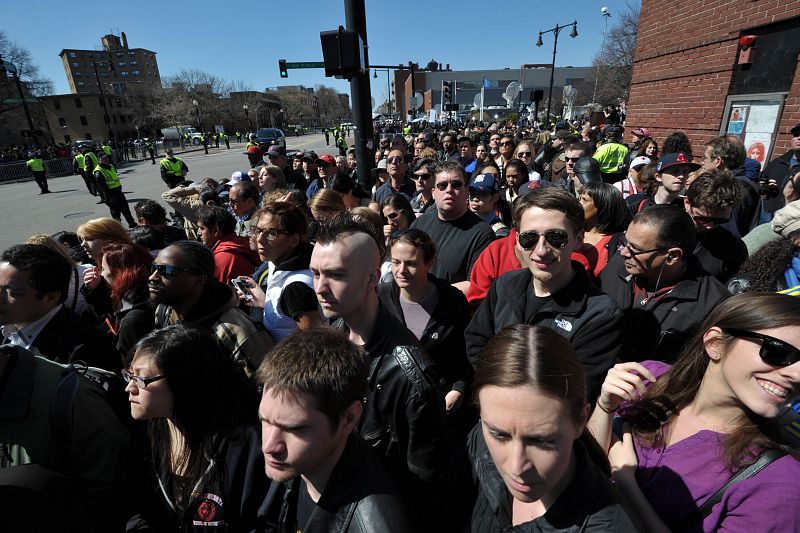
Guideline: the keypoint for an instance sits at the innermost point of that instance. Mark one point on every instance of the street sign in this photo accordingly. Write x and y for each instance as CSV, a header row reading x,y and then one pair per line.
x,y
9,101
306,64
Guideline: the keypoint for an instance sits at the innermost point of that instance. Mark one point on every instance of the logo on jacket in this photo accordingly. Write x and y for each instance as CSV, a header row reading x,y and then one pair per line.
x,y
209,511
563,324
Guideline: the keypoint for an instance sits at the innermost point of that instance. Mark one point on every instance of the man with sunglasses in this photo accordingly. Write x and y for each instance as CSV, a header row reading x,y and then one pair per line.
x,y
398,182
661,287
553,291
423,181
460,235
184,287
710,201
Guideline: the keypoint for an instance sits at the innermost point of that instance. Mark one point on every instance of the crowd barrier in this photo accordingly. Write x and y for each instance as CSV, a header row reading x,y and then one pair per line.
x,y
18,170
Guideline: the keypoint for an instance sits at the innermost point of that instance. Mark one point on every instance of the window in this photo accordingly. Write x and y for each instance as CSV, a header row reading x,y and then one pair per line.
x,y
67,139
104,74
133,63
122,64
91,56
78,103
124,74
137,73
120,54
84,122
62,122
57,105
81,84
78,74
73,55
75,64
132,53
87,136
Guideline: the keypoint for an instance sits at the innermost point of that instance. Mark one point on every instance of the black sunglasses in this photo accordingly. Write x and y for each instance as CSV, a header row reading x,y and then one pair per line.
x,y
700,219
573,159
557,238
442,185
396,160
421,176
168,271
774,352
392,215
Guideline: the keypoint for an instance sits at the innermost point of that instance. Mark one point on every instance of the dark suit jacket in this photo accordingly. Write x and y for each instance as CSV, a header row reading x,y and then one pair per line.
x,y
67,337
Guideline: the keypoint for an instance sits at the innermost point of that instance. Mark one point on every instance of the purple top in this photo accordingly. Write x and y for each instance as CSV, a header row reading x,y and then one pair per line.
x,y
678,479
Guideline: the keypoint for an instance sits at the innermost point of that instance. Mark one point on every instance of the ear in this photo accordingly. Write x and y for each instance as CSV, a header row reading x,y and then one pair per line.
x,y
674,255
686,204
351,416
374,279
712,343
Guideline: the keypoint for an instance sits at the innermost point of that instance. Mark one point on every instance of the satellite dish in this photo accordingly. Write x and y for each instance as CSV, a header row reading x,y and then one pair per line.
x,y
438,108
373,102
416,100
513,90
477,100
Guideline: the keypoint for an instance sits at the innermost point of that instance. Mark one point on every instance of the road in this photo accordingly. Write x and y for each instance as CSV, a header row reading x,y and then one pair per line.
x,y
24,212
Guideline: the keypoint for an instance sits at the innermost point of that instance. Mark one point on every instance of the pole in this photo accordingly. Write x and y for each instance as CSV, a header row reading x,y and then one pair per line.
x,y
482,89
356,20
552,72
606,16
103,99
388,93
413,89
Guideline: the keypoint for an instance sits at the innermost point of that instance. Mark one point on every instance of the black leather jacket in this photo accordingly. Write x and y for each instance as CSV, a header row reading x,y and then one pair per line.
x,y
403,418
360,497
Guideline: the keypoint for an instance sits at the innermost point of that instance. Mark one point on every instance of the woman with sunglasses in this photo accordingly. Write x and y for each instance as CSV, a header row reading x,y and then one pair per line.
x,y
530,464
397,215
505,151
690,428
205,441
525,152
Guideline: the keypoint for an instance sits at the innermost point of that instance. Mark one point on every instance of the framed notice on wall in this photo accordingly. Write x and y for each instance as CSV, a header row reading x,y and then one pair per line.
x,y
754,118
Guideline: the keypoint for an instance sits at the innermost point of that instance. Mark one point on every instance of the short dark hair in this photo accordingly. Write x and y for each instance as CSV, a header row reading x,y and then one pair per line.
x,y
419,240
150,211
551,199
344,223
48,271
197,258
425,162
448,166
673,225
714,189
579,145
248,190
466,139
290,217
150,237
731,152
321,363
613,214
216,217
676,143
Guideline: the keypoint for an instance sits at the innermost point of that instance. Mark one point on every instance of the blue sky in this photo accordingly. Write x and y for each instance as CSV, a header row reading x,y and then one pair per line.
x,y
244,40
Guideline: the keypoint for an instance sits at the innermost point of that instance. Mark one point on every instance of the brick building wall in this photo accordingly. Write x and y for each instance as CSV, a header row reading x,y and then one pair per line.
x,y
686,61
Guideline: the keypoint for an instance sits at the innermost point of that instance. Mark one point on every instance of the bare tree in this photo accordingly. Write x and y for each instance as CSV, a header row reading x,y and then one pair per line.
x,y
612,67
27,71
330,105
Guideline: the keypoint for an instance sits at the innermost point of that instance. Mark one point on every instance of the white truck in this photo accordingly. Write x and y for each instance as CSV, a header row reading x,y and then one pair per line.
x,y
174,134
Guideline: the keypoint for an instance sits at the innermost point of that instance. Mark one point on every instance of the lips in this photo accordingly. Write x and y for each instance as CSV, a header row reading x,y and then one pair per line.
x,y
773,389
520,486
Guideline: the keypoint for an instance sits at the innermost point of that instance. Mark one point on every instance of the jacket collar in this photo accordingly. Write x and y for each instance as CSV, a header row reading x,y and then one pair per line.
x,y
570,300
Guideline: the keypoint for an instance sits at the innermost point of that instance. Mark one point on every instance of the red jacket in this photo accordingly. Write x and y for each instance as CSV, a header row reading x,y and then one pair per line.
x,y
233,257
499,258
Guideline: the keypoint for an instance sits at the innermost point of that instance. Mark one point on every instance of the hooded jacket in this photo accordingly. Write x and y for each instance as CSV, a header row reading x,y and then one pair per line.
x,y
289,293
233,258
218,309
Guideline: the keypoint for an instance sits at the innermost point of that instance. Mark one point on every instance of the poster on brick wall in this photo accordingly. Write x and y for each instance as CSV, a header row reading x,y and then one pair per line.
x,y
754,119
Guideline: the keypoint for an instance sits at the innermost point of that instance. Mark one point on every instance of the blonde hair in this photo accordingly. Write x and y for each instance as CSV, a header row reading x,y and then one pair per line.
x,y
327,200
370,215
53,244
104,228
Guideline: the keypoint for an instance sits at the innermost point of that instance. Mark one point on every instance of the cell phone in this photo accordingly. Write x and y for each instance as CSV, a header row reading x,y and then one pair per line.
x,y
242,288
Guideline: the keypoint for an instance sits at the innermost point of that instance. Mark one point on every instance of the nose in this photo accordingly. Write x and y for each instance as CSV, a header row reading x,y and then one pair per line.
x,y
541,246
271,440
320,284
518,462
154,276
792,373
131,386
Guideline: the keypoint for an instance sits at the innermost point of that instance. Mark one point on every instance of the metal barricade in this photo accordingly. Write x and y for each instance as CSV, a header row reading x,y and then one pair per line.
x,y
14,172
58,167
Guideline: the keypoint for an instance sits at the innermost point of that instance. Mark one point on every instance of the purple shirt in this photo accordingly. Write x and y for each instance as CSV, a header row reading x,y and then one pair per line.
x,y
678,479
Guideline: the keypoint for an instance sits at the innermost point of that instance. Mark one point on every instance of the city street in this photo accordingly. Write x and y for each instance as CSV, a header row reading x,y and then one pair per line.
x,y
25,212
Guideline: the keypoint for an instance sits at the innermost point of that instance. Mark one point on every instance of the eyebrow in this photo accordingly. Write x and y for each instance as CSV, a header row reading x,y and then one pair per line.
x,y
284,427
529,436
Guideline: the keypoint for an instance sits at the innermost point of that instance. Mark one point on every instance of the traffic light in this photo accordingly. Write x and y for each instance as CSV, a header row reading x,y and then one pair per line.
x,y
447,88
537,95
282,67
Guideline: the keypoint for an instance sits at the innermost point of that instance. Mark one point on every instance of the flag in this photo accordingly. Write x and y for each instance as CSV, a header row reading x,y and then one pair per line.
x,y
486,83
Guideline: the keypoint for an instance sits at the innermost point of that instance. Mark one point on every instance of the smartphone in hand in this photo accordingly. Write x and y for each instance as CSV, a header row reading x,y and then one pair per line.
x,y
242,288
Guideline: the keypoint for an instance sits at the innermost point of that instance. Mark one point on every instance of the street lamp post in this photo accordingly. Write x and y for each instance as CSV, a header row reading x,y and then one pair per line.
x,y
103,98
555,31
247,115
606,16
388,88
196,105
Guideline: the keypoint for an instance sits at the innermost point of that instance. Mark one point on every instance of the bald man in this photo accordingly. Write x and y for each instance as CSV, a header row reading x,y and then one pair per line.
x,y
404,414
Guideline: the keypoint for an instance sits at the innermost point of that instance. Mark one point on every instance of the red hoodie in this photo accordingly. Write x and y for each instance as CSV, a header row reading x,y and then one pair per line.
x,y
233,258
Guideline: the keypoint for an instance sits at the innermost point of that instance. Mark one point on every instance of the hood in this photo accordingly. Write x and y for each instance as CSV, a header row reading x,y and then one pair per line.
x,y
300,259
235,244
216,299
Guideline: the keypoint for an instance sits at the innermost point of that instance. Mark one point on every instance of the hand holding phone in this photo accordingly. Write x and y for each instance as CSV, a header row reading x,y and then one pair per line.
x,y
242,288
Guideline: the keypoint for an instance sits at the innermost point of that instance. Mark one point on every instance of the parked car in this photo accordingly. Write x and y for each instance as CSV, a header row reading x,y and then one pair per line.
x,y
269,136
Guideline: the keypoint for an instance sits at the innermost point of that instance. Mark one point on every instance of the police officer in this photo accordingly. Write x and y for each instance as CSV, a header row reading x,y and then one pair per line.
x,y
251,142
327,136
90,158
227,141
79,169
36,165
173,169
204,140
151,148
105,174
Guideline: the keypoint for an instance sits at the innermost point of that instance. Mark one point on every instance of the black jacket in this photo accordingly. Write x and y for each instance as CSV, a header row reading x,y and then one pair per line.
x,y
360,497
237,497
662,327
720,253
589,504
580,312
134,318
403,418
779,170
443,338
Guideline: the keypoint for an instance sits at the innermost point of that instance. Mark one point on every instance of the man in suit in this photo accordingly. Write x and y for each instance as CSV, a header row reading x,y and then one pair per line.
x,y
34,281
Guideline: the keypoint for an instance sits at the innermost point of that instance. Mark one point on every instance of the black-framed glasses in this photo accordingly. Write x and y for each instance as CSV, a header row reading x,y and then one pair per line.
x,y
506,143
479,195
168,271
270,233
392,215
774,352
634,252
557,238
139,381
703,220
396,160
573,159
443,185
421,176
523,154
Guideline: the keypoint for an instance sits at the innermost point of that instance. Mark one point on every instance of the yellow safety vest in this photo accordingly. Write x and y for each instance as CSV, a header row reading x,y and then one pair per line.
x,y
107,149
35,164
110,174
81,160
90,160
173,167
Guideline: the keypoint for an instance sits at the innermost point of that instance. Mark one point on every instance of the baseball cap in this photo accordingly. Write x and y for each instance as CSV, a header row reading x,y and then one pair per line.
x,y
310,156
239,176
640,161
298,155
327,158
275,150
795,130
587,169
680,158
641,132
562,134
484,182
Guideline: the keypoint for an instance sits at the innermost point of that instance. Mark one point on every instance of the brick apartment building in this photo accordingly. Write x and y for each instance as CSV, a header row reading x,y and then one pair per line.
x,y
692,73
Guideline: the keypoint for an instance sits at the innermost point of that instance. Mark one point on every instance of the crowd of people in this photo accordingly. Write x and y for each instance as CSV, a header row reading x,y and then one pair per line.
x,y
499,327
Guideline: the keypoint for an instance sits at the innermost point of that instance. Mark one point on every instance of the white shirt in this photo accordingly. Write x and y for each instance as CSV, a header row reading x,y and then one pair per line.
x,y
25,335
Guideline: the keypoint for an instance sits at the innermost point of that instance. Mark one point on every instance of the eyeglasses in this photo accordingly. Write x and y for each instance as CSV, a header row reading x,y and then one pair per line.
x,y
573,159
139,381
479,195
506,143
634,252
704,220
442,185
168,271
774,352
396,160
523,154
271,233
421,176
557,238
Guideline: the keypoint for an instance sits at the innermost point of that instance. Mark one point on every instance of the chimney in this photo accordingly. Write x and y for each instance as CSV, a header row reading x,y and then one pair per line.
x,y
124,41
